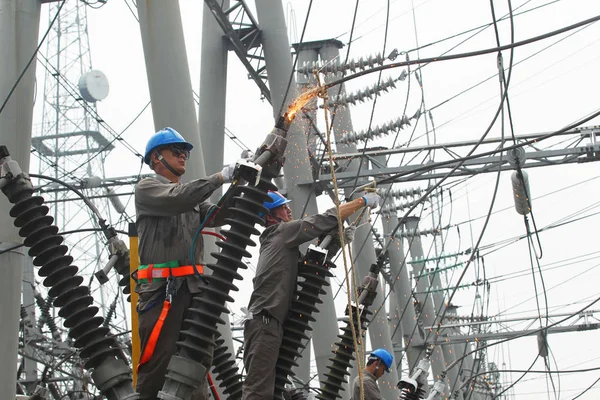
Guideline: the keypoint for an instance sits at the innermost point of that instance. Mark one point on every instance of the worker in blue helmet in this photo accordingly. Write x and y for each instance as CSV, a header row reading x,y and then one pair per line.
x,y
275,281
168,213
379,362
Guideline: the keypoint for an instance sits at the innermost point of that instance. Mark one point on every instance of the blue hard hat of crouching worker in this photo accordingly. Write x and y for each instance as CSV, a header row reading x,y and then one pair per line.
x,y
383,355
277,199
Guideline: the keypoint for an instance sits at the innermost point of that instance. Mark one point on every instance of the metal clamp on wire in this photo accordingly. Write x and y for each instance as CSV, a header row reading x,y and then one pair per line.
x,y
248,171
275,144
368,288
10,168
118,253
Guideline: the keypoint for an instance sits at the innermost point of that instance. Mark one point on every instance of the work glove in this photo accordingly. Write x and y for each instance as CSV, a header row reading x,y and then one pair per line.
x,y
349,234
227,172
371,199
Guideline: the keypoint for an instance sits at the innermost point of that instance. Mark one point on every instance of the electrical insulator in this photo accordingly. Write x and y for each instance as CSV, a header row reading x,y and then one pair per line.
x,y
521,192
115,201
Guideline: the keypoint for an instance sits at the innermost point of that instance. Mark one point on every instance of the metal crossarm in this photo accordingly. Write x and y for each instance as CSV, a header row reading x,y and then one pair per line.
x,y
243,34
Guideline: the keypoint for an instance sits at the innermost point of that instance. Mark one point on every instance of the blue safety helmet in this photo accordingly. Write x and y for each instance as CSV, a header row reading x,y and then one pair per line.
x,y
383,355
277,199
164,137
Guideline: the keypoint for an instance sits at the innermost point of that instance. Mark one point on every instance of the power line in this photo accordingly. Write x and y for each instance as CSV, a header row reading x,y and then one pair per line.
x,y
464,55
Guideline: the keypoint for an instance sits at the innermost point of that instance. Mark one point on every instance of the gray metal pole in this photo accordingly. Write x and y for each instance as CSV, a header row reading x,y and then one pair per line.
x,y
211,124
19,28
425,301
169,76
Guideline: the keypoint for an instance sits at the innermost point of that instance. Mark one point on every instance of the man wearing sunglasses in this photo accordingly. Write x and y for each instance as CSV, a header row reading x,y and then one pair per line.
x,y
168,213
379,362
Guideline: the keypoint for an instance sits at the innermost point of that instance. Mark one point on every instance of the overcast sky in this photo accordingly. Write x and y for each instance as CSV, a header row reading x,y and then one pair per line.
x,y
547,92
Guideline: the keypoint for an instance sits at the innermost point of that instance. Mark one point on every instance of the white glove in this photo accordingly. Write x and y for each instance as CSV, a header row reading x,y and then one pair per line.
x,y
227,172
371,199
349,234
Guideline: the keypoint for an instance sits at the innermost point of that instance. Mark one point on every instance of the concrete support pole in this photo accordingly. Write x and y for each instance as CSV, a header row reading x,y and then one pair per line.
x,y
325,328
425,301
19,28
279,67
169,76
342,119
408,335
364,256
448,351
297,170
305,82
379,332
211,124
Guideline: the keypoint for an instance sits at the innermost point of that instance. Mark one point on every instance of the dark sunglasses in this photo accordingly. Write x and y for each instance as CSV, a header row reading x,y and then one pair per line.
x,y
178,151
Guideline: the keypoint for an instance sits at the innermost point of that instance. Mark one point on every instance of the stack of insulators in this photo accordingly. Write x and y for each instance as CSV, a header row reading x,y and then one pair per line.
x,y
378,131
226,371
207,306
400,193
296,326
73,299
331,68
343,355
361,95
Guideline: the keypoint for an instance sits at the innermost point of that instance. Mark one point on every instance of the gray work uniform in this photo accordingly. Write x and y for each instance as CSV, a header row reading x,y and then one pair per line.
x,y
274,285
167,217
370,387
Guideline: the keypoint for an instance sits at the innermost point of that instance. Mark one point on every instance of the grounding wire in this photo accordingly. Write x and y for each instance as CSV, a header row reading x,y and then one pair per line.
x,y
504,82
37,49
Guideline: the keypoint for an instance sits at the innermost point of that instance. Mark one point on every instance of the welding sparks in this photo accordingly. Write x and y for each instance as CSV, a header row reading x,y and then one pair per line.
x,y
300,102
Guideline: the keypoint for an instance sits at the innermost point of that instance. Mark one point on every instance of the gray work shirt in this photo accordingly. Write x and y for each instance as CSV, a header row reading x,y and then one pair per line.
x,y
277,267
369,385
167,217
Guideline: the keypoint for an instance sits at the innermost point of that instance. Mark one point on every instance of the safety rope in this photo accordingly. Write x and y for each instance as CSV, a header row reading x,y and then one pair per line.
x,y
359,350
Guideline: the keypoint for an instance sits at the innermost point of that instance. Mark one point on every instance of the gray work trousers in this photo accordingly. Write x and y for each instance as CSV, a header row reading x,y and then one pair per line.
x,y
151,375
262,339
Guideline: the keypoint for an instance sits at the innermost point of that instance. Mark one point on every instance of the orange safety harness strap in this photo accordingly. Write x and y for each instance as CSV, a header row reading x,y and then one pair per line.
x,y
152,272
151,345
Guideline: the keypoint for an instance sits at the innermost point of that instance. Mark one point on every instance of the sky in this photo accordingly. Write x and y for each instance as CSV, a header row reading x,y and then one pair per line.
x,y
550,87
